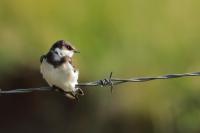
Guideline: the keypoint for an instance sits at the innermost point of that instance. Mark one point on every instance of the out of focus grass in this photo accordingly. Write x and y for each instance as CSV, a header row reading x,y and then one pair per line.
x,y
130,38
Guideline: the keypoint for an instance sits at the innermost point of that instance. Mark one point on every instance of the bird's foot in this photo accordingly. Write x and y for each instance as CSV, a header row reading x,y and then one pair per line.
x,y
80,92
70,94
77,93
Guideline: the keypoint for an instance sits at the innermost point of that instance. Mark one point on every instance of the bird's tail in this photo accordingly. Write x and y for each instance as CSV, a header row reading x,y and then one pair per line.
x,y
70,96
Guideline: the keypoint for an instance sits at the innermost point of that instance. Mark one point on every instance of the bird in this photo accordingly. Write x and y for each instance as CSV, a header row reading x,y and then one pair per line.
x,y
58,70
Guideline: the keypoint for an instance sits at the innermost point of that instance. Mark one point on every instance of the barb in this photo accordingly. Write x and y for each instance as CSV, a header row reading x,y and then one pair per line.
x,y
107,82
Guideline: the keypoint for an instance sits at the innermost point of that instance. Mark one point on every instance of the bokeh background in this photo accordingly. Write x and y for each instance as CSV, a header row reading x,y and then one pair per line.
x,y
131,38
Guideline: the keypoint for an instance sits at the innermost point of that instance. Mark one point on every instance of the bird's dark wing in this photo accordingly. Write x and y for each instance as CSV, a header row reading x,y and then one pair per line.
x,y
42,57
53,58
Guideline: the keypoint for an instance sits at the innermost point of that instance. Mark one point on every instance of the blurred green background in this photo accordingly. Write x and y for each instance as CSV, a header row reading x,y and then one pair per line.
x,y
131,38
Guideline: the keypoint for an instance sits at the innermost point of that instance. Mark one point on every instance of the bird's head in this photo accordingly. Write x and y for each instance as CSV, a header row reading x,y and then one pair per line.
x,y
63,48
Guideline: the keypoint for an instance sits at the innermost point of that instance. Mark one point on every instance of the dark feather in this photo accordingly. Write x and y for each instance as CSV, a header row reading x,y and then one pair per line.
x,y
42,57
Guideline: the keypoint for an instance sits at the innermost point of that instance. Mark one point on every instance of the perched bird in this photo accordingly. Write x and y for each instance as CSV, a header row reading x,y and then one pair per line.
x,y
57,69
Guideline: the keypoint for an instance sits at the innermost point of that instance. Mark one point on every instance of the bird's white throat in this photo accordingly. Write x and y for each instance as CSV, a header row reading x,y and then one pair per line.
x,y
64,52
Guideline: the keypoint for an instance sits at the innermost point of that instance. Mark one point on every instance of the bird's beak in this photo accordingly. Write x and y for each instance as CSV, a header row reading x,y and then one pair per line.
x,y
76,51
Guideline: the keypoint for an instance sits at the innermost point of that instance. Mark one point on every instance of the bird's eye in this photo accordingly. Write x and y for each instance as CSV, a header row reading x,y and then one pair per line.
x,y
69,47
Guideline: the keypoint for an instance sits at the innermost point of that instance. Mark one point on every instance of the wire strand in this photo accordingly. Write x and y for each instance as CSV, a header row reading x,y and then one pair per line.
x,y
107,82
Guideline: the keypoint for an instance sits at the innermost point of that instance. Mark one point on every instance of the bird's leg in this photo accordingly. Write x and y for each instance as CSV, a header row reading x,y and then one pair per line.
x,y
79,91
76,96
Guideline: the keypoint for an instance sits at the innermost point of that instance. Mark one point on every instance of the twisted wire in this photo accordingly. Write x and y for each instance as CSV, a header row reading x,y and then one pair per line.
x,y
110,82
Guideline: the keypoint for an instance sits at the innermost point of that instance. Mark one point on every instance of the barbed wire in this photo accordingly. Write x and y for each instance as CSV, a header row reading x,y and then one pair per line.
x,y
107,82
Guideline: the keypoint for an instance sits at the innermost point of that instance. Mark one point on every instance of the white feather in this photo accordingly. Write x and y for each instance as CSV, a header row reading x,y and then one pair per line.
x,y
63,76
62,52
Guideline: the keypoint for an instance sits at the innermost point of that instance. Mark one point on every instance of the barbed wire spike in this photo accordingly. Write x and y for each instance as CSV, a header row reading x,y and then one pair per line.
x,y
110,82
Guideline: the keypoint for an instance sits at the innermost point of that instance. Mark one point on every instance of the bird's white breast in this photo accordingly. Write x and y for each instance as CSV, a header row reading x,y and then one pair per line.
x,y
63,76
